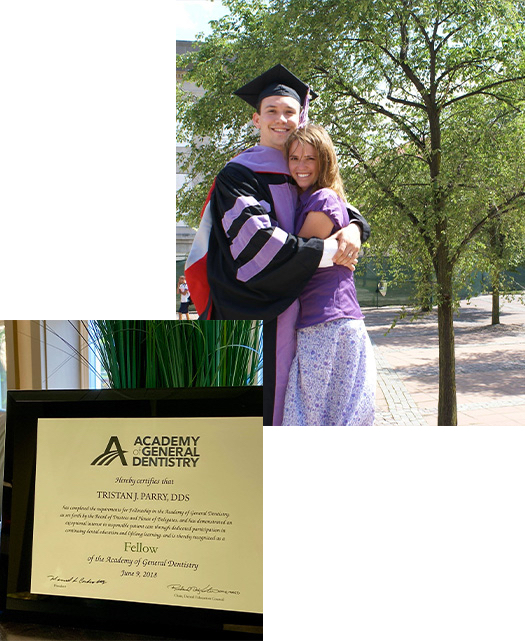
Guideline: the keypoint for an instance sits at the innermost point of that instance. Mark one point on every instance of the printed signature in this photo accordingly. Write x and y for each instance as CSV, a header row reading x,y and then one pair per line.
x,y
75,579
209,589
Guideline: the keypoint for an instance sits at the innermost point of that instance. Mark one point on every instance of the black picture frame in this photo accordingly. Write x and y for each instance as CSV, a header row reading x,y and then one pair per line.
x,y
24,408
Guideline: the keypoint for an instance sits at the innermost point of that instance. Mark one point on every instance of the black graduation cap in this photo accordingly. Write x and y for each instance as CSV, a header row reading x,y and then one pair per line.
x,y
277,81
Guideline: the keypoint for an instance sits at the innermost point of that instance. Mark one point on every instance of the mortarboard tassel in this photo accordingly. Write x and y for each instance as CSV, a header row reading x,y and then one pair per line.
x,y
303,119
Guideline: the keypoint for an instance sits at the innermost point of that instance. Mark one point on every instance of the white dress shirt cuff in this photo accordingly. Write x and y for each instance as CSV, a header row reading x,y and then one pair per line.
x,y
330,249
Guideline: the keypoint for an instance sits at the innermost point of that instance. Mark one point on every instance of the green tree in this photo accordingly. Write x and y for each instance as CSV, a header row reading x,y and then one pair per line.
x,y
502,252
423,101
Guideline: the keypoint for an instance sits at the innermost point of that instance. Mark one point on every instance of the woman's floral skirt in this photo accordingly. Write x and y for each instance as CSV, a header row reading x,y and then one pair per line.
x,y
332,380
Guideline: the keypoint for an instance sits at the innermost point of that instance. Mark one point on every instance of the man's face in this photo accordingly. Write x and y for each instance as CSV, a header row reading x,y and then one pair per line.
x,y
278,118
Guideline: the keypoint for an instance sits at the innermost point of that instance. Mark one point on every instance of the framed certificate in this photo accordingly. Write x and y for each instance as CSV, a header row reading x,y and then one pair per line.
x,y
139,508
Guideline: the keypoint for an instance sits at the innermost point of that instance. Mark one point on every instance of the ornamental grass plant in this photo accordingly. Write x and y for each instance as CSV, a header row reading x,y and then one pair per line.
x,y
172,353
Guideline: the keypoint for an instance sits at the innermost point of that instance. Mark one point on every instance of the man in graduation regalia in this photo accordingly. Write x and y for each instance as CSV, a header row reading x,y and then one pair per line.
x,y
255,267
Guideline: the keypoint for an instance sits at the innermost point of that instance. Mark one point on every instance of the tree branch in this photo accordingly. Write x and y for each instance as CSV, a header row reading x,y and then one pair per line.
x,y
421,29
508,101
409,73
481,90
495,212
464,63
401,101
379,109
450,34
390,194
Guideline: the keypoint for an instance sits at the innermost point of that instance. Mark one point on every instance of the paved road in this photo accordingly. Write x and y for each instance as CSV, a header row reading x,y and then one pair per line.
x,y
490,365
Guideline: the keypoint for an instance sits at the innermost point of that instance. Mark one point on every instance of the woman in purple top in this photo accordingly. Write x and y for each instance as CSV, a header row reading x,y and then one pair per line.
x,y
332,380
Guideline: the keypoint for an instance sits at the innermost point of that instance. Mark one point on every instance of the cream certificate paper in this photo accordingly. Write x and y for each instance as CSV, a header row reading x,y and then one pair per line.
x,y
153,510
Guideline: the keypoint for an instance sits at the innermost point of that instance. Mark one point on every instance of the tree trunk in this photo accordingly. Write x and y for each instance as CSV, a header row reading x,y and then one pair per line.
x,y
426,304
495,299
447,404
497,250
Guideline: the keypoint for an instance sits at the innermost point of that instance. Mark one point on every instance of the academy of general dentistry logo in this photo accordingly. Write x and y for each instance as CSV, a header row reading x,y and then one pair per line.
x,y
153,451
109,454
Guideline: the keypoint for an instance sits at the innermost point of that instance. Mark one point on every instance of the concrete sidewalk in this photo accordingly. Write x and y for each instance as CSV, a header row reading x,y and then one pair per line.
x,y
490,365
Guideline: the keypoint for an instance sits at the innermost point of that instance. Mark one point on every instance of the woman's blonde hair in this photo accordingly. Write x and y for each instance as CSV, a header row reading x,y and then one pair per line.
x,y
317,136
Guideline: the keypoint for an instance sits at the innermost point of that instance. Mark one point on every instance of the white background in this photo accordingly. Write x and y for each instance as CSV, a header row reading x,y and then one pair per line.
x,y
383,533
87,159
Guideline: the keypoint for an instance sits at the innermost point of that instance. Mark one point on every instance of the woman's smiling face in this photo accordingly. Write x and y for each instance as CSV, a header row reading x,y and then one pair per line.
x,y
303,162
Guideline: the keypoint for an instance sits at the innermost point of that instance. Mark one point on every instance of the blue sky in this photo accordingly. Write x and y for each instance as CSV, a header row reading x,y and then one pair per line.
x,y
193,17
